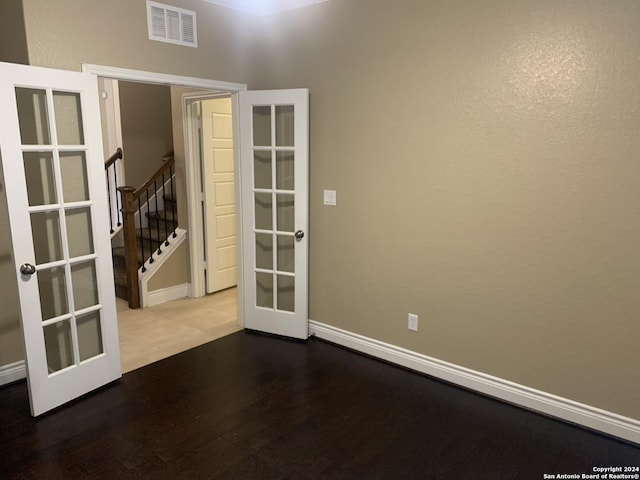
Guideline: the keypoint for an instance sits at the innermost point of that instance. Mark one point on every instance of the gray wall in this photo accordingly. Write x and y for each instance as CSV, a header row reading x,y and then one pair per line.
x,y
484,155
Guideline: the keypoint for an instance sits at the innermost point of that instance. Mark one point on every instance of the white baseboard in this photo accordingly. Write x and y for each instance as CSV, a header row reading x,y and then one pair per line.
x,y
156,297
559,407
12,372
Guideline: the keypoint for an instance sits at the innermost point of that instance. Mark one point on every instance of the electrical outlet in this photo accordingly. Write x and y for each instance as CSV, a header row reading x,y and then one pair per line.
x,y
413,322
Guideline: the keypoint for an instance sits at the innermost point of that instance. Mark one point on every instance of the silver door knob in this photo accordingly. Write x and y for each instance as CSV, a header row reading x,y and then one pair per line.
x,y
27,269
299,235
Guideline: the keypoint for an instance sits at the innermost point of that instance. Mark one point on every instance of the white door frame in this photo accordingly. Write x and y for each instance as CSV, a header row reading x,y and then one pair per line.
x,y
192,174
194,182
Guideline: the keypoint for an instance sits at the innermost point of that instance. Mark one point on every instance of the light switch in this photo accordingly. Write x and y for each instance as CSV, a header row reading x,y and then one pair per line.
x,y
330,197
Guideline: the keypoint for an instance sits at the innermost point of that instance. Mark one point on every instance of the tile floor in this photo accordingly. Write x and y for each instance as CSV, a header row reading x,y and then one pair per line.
x,y
151,334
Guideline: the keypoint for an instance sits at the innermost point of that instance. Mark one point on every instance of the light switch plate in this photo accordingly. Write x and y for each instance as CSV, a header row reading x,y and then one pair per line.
x,y
330,197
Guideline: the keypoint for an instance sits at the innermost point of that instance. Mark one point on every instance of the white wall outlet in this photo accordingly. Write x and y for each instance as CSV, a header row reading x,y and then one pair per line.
x,y
330,197
413,322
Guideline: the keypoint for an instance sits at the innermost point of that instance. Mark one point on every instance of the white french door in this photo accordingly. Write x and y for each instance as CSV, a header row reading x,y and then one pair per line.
x,y
53,167
274,157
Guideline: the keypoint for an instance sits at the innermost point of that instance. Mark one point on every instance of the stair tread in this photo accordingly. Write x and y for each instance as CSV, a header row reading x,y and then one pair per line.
x,y
156,234
172,217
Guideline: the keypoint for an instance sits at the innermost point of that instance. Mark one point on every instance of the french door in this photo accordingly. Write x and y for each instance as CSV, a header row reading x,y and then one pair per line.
x,y
274,151
51,151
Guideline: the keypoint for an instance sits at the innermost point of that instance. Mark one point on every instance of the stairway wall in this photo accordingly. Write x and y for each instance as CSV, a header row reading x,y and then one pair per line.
x,y
174,272
145,112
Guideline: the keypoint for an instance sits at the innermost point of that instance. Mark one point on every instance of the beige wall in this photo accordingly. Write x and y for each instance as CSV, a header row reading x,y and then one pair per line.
x,y
67,33
485,157
175,271
11,343
13,43
145,113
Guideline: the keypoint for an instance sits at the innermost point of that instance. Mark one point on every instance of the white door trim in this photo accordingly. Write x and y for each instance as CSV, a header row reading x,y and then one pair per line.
x,y
195,224
192,174
161,78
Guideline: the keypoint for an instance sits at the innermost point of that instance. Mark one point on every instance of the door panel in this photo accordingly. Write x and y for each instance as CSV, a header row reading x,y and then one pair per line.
x,y
219,193
274,162
53,171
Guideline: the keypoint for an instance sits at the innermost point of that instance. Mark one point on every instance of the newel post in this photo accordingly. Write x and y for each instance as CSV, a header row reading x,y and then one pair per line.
x,y
130,251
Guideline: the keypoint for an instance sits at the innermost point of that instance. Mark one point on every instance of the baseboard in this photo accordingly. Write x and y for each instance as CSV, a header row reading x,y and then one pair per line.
x,y
156,297
558,407
12,372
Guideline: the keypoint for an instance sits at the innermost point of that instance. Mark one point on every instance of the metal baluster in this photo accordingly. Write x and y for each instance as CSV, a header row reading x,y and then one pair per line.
x,y
155,189
144,268
109,198
164,197
173,213
115,179
149,229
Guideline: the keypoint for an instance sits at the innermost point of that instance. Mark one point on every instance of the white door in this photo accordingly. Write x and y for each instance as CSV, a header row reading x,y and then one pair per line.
x,y
51,149
274,170
219,194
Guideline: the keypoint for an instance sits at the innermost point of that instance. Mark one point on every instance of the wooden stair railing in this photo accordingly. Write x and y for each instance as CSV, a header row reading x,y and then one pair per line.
x,y
133,201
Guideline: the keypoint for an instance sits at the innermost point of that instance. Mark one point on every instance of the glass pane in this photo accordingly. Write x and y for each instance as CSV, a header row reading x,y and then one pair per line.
x,y
79,232
33,117
284,126
262,126
264,251
286,250
47,243
40,178
59,345
264,290
284,171
73,168
52,286
89,335
285,212
68,115
264,211
286,293
85,285
262,169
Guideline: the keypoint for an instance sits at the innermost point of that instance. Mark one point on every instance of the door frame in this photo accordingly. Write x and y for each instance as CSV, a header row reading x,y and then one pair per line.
x,y
195,225
192,164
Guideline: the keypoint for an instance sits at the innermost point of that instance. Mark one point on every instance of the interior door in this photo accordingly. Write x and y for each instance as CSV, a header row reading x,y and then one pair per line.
x,y
274,170
51,149
219,194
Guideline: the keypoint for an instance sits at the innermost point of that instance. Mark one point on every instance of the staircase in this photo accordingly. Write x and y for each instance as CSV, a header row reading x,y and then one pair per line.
x,y
160,225
143,227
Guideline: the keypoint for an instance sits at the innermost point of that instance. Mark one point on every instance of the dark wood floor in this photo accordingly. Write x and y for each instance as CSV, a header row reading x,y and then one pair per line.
x,y
256,407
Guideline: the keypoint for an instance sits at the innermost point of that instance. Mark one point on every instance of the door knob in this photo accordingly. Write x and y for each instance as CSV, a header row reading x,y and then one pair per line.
x,y
27,269
299,235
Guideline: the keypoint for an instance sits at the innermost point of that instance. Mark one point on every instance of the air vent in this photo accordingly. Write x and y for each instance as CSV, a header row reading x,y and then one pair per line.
x,y
171,24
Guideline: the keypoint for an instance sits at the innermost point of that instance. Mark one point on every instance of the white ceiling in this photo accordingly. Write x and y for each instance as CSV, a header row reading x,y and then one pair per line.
x,y
264,7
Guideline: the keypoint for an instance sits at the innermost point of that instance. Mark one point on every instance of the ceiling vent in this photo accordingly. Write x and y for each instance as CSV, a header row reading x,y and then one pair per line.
x,y
171,24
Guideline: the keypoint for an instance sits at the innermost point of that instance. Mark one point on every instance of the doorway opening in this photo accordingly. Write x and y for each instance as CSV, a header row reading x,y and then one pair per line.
x,y
178,318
